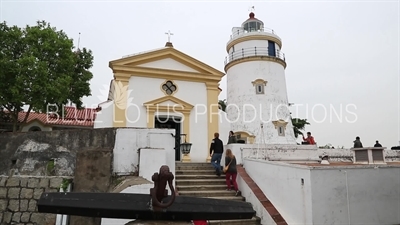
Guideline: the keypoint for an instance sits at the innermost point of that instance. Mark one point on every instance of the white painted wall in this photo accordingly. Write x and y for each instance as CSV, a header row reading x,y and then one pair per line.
x,y
150,161
246,192
356,195
224,127
105,117
247,110
363,194
168,64
243,34
282,184
273,152
262,46
145,89
129,141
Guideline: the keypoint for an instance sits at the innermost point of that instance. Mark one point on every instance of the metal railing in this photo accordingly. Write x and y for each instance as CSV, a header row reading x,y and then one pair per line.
x,y
242,32
254,51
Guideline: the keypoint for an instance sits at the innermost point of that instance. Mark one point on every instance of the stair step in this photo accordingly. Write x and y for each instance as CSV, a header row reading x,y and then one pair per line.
x,y
233,198
201,182
192,164
254,220
199,176
195,172
208,193
210,168
201,187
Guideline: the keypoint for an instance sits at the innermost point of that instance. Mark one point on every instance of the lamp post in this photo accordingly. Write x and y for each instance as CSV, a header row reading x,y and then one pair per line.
x,y
185,149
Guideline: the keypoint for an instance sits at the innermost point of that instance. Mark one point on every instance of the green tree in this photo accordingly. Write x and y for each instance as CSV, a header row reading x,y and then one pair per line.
x,y
222,104
40,68
299,125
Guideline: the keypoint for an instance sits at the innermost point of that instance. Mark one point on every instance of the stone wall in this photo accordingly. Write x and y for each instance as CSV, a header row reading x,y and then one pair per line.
x,y
48,153
19,196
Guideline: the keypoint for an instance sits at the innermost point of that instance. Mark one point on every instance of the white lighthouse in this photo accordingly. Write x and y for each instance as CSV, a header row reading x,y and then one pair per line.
x,y
257,103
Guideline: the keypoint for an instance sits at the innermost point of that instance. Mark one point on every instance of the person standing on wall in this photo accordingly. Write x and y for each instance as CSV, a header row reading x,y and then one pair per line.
x,y
231,138
231,171
357,143
216,150
377,144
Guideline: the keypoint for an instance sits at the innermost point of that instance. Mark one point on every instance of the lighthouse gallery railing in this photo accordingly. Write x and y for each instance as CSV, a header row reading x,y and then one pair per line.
x,y
254,51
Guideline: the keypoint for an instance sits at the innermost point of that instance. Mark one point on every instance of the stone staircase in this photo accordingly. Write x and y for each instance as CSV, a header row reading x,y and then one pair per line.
x,y
199,180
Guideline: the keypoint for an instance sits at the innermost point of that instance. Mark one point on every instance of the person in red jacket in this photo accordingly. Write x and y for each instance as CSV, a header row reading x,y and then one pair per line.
x,y
309,140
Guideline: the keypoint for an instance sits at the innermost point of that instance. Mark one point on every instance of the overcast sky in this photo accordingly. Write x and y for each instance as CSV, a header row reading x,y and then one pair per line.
x,y
338,53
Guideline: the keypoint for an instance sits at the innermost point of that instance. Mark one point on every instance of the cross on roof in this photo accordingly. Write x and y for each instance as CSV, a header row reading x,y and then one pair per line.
x,y
169,35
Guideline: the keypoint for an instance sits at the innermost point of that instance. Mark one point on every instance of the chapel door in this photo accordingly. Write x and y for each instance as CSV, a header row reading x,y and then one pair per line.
x,y
171,123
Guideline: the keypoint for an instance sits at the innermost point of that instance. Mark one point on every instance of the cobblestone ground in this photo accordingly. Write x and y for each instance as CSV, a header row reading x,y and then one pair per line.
x,y
138,222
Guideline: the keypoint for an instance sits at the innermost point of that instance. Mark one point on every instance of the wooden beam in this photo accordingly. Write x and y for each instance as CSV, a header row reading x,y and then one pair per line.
x,y
137,206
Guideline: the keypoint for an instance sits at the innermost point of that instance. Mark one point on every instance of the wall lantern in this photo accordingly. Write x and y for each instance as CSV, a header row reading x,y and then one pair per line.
x,y
185,149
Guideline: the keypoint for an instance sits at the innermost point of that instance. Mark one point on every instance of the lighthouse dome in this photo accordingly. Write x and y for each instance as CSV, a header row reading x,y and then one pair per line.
x,y
252,23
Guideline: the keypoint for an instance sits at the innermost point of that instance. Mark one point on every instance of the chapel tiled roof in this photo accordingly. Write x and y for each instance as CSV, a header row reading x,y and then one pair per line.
x,y
73,117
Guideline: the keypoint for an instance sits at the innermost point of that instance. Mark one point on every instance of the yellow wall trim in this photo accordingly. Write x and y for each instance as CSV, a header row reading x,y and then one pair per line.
x,y
125,72
167,53
181,107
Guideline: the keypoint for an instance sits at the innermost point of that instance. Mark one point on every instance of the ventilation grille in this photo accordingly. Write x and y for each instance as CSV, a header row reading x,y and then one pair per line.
x,y
377,155
361,156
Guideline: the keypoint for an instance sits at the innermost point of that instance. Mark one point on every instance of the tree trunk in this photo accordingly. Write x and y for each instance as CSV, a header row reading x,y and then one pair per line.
x,y
25,119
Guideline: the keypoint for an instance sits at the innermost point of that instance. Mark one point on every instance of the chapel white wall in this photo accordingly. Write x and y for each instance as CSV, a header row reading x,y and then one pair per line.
x,y
168,63
143,89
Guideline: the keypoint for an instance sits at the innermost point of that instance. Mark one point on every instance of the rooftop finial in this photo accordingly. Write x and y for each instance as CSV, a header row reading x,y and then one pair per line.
x,y
169,35
252,9
169,44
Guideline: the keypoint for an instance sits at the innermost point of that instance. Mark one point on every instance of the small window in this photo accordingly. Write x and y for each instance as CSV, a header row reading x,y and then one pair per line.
x,y
169,87
260,89
281,131
259,85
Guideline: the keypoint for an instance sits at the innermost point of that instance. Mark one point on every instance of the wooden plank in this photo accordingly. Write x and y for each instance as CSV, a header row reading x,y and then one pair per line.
x,y
136,206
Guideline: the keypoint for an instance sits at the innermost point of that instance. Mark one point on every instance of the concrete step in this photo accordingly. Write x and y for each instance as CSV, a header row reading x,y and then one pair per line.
x,y
195,182
232,198
199,176
201,187
195,172
209,167
211,193
192,164
254,220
